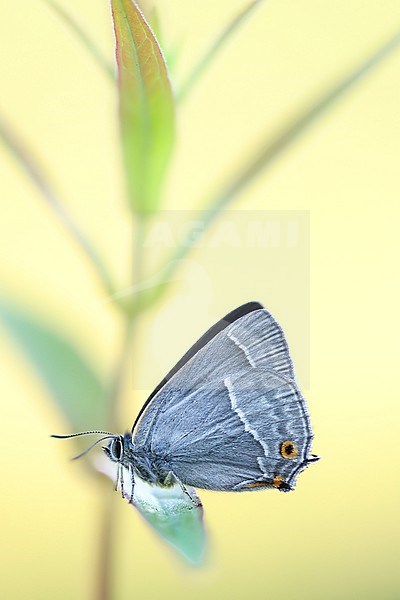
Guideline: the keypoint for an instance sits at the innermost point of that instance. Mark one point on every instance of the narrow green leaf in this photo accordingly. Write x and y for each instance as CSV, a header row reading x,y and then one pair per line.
x,y
293,130
71,380
84,38
151,15
269,152
216,46
35,173
146,106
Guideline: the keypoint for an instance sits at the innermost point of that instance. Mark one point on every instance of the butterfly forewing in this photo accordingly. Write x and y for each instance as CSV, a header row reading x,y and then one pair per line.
x,y
231,317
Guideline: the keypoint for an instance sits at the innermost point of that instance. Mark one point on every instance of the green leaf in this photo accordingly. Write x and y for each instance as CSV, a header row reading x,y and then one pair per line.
x,y
70,379
146,106
213,50
173,515
84,38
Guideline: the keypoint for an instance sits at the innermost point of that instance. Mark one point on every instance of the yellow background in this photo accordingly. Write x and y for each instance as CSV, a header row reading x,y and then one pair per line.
x,y
337,536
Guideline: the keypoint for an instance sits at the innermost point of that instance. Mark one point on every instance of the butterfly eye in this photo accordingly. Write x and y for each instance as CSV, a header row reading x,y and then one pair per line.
x,y
289,449
116,449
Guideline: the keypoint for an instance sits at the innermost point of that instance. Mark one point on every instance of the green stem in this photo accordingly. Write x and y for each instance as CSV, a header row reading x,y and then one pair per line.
x,y
84,38
108,518
215,47
103,590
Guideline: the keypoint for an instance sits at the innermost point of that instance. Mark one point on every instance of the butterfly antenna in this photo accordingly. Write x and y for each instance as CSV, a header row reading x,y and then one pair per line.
x,y
71,435
92,446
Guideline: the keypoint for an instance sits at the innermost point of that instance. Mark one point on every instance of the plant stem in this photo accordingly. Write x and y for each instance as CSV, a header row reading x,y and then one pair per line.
x,y
119,374
106,546
108,516
213,50
84,38
107,525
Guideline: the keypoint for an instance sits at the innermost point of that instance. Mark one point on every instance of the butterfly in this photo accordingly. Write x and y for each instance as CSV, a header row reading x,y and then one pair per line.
x,y
229,416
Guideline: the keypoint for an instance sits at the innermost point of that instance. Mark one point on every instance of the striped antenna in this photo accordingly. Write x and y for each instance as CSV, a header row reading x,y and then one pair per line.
x,y
71,435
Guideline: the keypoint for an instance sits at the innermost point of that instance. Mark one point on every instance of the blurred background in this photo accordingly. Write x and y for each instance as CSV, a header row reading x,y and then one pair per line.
x,y
336,295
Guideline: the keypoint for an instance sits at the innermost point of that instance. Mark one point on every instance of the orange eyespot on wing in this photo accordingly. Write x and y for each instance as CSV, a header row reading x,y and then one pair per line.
x,y
289,449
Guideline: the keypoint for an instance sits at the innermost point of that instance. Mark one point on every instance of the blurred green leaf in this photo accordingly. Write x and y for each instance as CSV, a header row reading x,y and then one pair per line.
x,y
146,106
294,129
36,174
206,60
70,379
83,37
174,516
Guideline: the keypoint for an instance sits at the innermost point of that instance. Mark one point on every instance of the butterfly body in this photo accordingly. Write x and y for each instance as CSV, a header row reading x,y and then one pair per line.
x,y
229,416
140,461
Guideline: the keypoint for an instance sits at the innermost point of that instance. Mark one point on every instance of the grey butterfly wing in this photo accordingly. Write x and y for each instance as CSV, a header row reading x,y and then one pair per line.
x,y
222,418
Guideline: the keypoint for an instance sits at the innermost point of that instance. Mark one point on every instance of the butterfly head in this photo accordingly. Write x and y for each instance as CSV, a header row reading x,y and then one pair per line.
x,y
115,449
120,449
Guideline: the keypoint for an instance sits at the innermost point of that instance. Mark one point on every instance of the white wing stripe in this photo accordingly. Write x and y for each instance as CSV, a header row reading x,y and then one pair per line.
x,y
242,347
242,416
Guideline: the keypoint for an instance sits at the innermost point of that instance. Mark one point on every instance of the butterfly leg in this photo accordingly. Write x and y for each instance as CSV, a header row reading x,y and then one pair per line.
x,y
122,481
171,478
117,480
194,500
132,483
